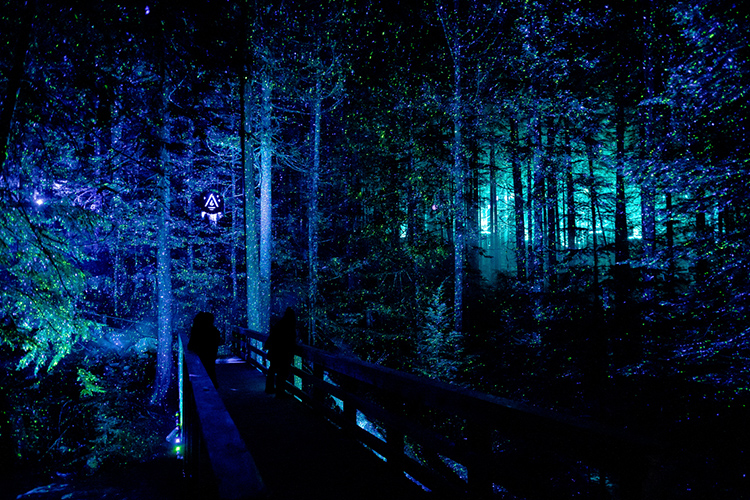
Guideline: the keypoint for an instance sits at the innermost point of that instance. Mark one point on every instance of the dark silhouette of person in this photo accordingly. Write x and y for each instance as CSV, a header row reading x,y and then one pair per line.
x,y
280,347
204,341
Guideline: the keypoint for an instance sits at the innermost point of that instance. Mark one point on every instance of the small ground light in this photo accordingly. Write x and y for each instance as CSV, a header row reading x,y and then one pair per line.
x,y
174,439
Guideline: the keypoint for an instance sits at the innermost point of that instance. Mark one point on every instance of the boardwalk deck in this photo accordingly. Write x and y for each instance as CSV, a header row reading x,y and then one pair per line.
x,y
299,454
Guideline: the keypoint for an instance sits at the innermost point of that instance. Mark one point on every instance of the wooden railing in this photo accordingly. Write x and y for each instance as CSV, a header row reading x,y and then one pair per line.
x,y
453,440
214,454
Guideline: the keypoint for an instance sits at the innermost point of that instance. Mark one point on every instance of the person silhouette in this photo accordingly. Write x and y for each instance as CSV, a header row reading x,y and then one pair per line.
x,y
280,346
204,341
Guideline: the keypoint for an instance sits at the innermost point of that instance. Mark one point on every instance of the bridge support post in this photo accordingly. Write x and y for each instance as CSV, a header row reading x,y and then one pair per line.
x,y
394,436
396,441
349,386
318,395
480,464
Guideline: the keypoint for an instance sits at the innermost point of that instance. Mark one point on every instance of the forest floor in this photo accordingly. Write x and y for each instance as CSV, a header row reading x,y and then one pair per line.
x,y
159,478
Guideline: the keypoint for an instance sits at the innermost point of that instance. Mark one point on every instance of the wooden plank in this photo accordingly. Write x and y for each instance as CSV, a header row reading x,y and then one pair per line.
x,y
301,455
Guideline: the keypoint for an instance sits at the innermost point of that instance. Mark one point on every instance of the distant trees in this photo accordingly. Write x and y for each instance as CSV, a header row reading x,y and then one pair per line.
x,y
565,150
537,199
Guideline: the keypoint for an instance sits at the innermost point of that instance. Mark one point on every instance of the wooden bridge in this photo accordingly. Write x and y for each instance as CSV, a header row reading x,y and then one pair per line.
x,y
357,430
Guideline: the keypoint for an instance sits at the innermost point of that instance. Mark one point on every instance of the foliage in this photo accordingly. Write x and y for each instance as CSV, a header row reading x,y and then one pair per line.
x,y
560,103
42,280
90,383
439,346
91,412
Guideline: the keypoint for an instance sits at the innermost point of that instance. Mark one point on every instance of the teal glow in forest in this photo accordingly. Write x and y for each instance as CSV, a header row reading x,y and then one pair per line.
x,y
542,200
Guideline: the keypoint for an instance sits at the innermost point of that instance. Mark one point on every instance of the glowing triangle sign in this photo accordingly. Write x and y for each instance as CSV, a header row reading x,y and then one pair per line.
x,y
212,202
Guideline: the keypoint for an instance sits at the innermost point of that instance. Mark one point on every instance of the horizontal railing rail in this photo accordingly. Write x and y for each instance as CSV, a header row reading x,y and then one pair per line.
x,y
449,438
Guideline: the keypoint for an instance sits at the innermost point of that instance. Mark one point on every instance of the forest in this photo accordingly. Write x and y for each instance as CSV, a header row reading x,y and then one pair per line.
x,y
544,200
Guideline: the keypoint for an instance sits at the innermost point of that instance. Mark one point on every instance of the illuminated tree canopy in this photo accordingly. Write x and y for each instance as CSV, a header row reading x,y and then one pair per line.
x,y
559,183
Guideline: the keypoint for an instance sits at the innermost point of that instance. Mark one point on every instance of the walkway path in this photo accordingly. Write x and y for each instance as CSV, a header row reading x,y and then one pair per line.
x,y
301,455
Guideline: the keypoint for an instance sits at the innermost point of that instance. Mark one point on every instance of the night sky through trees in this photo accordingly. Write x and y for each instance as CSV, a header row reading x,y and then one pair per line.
x,y
542,200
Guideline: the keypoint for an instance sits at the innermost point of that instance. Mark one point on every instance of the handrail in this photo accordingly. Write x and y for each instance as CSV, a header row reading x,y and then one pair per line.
x,y
207,431
401,403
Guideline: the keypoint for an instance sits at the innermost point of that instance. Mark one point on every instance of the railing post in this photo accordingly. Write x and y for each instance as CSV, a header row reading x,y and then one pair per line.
x,y
349,385
399,401
394,436
480,463
318,395
639,478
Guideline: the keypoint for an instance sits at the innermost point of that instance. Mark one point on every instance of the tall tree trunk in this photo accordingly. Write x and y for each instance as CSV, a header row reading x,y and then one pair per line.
x,y
593,197
417,215
163,260
266,238
648,196
622,253
251,233
458,168
494,230
518,203
703,235
459,198
670,238
551,203
648,221
412,201
313,215
473,224
621,269
570,200
538,199
233,239
117,271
